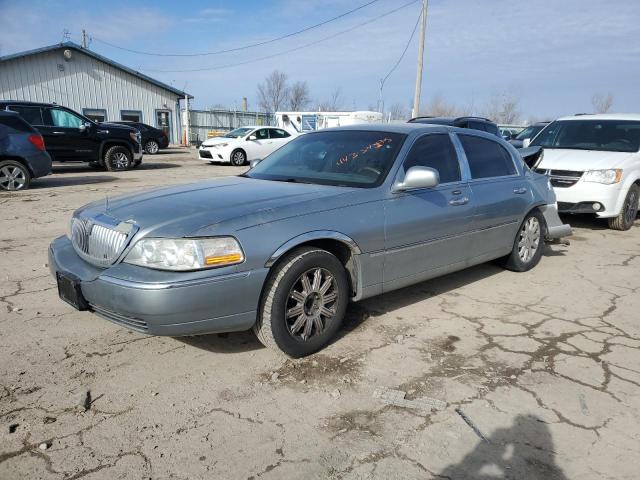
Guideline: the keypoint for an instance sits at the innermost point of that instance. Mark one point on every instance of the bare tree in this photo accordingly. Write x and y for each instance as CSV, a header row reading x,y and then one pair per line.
x,y
299,97
439,107
398,111
273,93
602,103
503,108
334,102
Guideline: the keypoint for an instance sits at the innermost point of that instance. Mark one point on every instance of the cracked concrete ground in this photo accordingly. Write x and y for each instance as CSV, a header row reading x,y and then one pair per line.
x,y
539,371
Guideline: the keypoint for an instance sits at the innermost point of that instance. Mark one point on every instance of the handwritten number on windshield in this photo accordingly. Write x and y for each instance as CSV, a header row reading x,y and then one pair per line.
x,y
372,146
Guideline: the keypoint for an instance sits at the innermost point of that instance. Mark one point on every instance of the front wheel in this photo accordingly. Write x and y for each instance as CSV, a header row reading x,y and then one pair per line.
x,y
151,147
624,221
14,176
303,303
238,158
117,158
528,244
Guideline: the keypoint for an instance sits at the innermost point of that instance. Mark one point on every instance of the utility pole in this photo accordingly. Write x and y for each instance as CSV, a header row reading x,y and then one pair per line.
x,y
423,27
187,119
84,38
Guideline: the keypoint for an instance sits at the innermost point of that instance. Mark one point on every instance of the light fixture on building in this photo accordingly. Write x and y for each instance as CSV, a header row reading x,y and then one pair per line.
x,y
67,54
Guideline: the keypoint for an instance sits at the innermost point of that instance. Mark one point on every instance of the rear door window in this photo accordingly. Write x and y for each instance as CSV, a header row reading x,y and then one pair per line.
x,y
486,158
32,115
435,151
278,133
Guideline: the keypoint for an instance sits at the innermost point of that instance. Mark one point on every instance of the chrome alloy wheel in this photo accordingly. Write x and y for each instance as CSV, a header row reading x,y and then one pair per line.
x,y
12,178
120,160
311,303
238,158
529,239
152,147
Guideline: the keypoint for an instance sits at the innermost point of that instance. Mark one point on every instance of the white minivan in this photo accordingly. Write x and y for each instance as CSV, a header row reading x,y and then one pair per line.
x,y
593,163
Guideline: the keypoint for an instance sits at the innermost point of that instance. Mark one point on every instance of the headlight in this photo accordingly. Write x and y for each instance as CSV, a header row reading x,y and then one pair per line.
x,y
607,177
220,145
182,254
134,137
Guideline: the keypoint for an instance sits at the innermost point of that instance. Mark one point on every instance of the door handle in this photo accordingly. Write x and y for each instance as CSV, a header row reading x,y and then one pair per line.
x,y
459,201
456,192
58,133
520,190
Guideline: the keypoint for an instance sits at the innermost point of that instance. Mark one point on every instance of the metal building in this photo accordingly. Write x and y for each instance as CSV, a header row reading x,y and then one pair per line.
x,y
96,86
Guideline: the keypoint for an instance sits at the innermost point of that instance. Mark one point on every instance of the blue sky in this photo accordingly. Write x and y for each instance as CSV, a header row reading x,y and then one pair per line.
x,y
553,54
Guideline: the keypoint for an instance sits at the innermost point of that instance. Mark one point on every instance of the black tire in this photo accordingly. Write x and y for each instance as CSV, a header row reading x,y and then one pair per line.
x,y
14,176
117,159
238,158
524,257
626,218
285,295
152,147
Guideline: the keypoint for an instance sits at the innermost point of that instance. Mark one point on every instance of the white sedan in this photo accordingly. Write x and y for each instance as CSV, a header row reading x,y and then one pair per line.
x,y
243,145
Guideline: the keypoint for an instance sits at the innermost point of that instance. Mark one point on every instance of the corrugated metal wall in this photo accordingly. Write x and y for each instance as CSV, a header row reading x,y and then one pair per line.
x,y
84,82
204,121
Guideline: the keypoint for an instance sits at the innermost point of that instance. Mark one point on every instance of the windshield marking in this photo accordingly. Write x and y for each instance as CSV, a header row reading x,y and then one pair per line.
x,y
353,155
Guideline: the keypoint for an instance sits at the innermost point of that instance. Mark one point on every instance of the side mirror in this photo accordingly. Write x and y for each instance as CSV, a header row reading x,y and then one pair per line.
x,y
526,142
252,137
254,162
418,177
84,126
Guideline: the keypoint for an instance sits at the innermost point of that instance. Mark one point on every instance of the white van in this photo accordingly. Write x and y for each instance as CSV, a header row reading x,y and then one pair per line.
x,y
310,121
593,162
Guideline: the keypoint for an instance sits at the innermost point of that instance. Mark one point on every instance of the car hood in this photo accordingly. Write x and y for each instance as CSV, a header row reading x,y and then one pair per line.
x,y
219,206
217,140
581,160
116,126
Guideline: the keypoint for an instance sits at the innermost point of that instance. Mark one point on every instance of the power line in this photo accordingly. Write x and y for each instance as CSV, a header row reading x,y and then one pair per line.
x,y
243,47
284,52
406,47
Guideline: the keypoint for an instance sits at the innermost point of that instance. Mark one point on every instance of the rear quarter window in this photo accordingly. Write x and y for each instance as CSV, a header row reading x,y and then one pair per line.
x,y
487,158
32,115
15,124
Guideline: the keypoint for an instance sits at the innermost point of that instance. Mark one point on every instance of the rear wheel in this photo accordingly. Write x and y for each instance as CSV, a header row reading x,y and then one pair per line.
x,y
626,218
303,303
117,158
14,176
238,158
528,244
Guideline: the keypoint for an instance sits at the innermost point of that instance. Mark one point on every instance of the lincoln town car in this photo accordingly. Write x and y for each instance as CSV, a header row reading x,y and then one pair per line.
x,y
332,217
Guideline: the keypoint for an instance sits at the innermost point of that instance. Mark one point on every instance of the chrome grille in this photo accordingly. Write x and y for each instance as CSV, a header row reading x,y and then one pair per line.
x,y
100,240
561,178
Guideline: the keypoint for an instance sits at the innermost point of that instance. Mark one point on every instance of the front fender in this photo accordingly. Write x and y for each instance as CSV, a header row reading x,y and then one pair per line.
x,y
310,236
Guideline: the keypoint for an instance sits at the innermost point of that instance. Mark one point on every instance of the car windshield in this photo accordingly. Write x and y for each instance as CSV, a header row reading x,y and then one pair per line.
x,y
346,158
605,135
529,132
238,132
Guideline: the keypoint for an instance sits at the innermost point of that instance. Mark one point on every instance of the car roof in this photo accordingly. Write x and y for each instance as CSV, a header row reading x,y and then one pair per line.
x,y
449,120
604,116
406,128
26,102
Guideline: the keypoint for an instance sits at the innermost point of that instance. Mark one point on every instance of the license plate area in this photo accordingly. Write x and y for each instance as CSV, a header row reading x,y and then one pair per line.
x,y
69,290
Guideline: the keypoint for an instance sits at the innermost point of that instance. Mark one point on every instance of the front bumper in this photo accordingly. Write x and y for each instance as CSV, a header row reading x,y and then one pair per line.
x,y
213,155
583,194
137,153
214,304
555,227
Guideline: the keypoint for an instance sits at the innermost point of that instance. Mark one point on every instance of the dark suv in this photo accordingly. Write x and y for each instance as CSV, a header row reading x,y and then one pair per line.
x,y
153,139
22,153
476,123
70,136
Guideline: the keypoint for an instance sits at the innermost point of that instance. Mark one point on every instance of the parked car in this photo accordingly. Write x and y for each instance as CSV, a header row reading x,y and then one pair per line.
x,y
153,139
594,165
509,132
476,123
335,215
22,153
72,137
523,139
244,144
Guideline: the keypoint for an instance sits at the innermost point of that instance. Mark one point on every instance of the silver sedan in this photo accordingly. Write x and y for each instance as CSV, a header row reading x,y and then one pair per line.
x,y
334,216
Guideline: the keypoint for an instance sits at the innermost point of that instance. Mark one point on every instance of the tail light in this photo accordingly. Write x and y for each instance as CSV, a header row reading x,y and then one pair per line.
x,y
37,142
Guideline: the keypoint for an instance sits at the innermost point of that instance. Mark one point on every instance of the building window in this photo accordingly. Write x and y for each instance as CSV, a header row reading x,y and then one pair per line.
x,y
131,115
95,114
